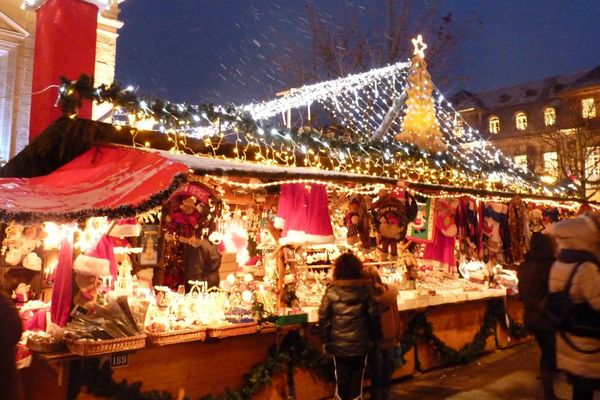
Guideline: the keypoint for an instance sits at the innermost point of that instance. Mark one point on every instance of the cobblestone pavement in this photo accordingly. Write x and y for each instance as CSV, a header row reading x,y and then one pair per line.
x,y
502,375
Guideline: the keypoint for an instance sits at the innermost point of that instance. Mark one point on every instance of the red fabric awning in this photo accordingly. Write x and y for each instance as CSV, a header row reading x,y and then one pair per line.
x,y
111,181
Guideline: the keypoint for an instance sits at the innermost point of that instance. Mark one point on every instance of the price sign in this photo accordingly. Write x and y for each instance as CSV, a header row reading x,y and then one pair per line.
x,y
119,360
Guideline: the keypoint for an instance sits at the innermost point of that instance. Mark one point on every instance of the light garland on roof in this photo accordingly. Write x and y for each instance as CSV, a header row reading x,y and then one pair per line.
x,y
361,102
365,189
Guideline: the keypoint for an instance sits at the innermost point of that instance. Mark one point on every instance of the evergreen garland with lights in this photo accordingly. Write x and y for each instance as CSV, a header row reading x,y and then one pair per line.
x,y
264,141
295,351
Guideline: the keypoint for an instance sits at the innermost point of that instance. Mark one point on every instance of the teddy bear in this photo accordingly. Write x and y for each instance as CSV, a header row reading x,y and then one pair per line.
x,y
356,221
391,215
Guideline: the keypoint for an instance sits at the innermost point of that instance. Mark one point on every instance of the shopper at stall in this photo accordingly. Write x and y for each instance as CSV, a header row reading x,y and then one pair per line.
x,y
10,333
350,326
381,358
578,267
533,287
202,261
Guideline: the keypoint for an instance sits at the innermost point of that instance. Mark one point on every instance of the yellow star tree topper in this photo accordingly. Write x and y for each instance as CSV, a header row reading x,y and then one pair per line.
x,y
420,125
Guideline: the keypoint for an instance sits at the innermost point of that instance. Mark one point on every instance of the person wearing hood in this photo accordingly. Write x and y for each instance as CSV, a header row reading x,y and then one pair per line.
x,y
533,287
381,358
350,325
578,343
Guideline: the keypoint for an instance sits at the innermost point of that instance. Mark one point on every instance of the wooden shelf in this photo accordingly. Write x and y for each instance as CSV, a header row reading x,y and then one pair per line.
x,y
316,266
381,263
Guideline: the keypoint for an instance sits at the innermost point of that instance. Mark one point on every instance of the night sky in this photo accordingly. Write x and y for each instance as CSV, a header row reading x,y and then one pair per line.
x,y
230,50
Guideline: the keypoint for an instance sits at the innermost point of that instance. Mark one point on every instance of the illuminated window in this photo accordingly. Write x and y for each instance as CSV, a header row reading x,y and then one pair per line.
x,y
521,161
592,163
588,108
551,163
521,121
459,127
549,116
494,124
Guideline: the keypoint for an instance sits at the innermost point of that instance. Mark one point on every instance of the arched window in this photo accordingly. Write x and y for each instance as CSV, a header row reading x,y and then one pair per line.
x,y
549,116
521,121
494,124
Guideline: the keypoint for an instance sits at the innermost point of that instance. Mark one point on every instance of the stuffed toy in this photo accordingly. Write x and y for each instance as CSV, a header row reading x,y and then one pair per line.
x,y
21,294
184,219
357,222
392,221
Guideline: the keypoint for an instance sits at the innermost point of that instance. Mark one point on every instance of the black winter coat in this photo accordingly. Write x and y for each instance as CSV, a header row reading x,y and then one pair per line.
x,y
533,277
349,318
201,261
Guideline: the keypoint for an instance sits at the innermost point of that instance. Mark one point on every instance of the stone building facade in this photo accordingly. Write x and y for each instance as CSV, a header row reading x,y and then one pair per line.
x,y
546,126
17,45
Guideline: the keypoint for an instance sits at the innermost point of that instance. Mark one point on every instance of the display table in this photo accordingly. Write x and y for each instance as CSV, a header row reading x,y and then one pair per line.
x,y
196,369
515,310
455,325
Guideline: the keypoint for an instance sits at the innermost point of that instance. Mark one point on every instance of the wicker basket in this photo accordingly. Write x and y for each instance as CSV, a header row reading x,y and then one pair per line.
x,y
45,347
165,338
95,347
244,328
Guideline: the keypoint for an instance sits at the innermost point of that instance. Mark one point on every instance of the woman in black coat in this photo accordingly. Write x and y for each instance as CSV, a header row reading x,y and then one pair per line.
x,y
533,277
350,324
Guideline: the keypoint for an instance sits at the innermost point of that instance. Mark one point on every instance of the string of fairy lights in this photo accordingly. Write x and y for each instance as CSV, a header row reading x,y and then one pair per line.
x,y
373,190
359,103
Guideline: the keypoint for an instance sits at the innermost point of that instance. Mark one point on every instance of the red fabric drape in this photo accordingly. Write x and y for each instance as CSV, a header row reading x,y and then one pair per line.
x,y
103,177
62,293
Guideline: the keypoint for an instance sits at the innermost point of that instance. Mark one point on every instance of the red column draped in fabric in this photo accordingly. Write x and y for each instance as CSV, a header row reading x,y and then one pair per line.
x,y
65,45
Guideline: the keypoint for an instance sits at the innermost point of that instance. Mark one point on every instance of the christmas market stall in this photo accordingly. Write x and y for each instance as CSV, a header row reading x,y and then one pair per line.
x,y
183,250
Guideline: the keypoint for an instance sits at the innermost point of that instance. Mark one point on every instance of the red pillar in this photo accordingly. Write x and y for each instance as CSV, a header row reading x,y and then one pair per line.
x,y
65,45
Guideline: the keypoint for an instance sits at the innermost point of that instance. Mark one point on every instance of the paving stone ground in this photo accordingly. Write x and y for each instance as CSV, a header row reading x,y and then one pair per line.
x,y
502,375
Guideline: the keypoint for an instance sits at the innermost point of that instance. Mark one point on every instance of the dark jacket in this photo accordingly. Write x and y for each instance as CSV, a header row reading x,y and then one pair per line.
x,y
533,277
10,334
349,318
202,262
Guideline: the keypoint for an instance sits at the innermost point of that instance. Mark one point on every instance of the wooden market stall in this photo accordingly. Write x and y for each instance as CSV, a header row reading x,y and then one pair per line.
x,y
167,192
